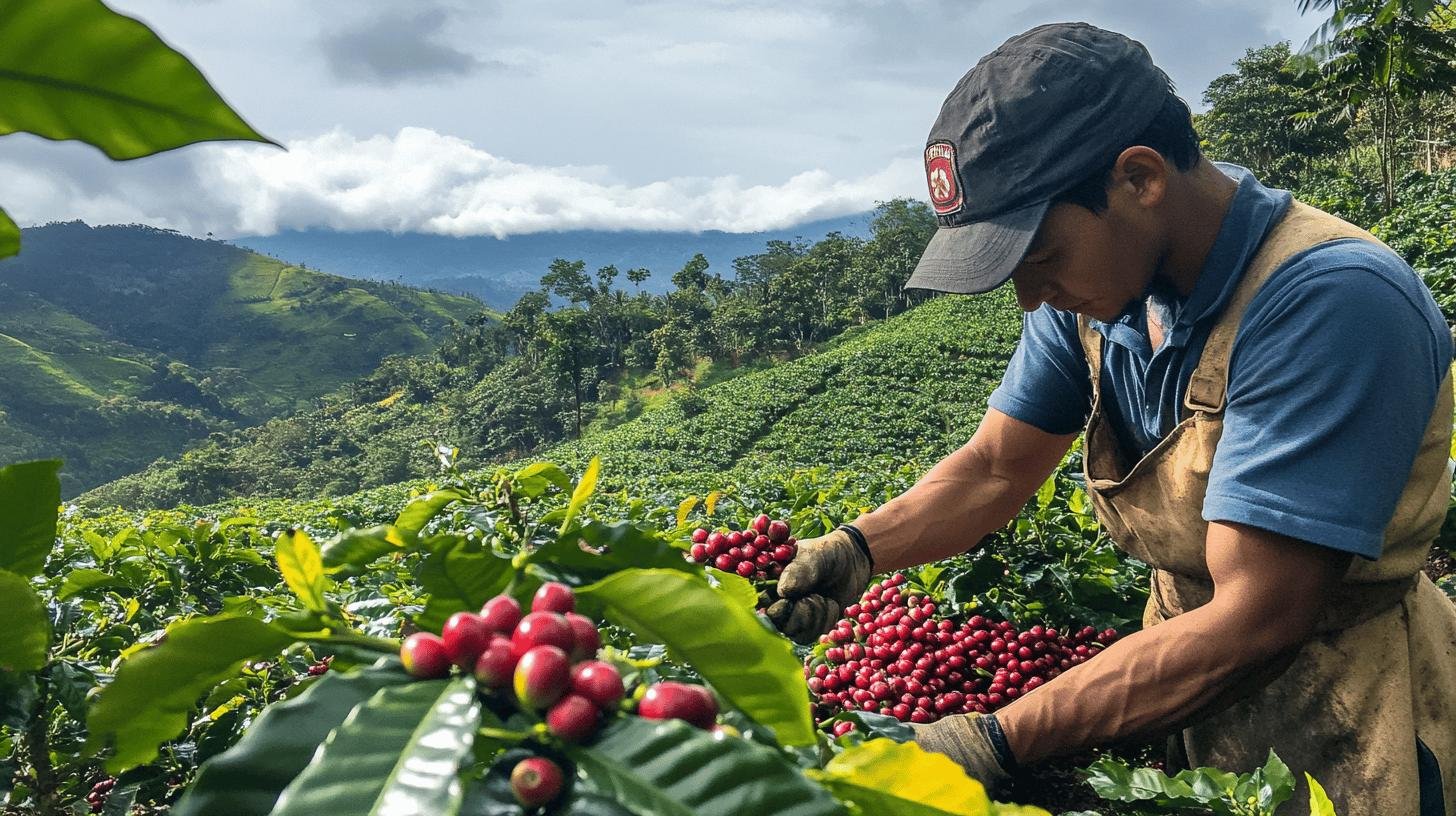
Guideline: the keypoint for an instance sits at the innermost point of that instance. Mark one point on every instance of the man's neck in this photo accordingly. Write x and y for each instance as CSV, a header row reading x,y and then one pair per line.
x,y
1200,198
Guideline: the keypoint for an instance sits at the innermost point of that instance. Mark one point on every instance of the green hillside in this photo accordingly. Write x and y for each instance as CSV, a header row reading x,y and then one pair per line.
x,y
910,388
119,345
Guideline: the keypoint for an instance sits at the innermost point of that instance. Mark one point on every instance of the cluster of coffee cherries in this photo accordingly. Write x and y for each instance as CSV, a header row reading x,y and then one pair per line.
x,y
320,667
545,661
891,655
758,553
97,797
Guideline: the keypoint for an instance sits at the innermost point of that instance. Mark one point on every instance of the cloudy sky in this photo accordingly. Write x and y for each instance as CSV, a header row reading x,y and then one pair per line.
x,y
482,117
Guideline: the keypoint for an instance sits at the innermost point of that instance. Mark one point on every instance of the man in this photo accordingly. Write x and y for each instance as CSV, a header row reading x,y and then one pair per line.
x,y
1268,420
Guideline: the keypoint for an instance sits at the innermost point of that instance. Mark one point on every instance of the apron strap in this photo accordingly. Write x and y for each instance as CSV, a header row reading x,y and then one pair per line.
x,y
1092,350
1302,227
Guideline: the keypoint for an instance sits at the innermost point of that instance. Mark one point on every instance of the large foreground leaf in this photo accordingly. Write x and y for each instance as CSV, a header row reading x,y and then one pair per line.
x,y
27,628
670,768
397,753
247,779
459,580
75,69
9,236
724,641
873,777
156,688
30,500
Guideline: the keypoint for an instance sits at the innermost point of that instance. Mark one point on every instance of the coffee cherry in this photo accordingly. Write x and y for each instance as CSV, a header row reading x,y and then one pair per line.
x,y
586,640
760,523
672,700
465,636
700,536
542,676
502,614
778,532
573,718
536,781
496,665
599,682
543,629
554,597
424,656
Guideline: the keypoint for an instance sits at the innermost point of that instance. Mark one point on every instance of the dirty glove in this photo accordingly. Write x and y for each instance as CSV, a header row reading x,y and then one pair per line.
x,y
827,574
975,742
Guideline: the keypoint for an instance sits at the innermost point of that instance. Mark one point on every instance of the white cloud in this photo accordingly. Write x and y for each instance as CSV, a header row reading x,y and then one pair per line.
x,y
422,181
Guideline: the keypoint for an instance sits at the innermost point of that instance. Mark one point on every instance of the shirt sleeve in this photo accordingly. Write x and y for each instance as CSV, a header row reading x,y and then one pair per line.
x,y
1046,384
1333,377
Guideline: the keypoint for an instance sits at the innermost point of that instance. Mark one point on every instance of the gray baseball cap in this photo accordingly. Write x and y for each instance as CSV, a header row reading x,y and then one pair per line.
x,y
1032,118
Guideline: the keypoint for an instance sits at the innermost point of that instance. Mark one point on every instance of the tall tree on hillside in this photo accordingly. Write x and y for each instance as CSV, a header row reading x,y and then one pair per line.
x,y
899,231
1380,57
571,353
1268,117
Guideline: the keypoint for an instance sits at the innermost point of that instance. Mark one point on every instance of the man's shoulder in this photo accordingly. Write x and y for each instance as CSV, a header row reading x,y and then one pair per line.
x,y
1357,271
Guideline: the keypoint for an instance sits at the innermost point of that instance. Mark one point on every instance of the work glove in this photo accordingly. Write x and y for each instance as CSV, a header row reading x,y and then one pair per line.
x,y
827,574
975,742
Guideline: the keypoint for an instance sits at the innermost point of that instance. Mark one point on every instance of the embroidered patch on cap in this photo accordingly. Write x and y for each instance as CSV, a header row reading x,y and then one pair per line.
x,y
940,174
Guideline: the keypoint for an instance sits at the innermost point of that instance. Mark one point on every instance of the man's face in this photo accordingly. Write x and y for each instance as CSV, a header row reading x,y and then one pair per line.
x,y
1090,263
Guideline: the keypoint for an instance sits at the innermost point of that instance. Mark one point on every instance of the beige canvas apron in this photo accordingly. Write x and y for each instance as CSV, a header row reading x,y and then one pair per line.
x,y
1348,706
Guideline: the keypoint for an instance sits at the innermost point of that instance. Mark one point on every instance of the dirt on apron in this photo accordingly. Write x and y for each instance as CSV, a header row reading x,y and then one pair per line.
x,y
1349,706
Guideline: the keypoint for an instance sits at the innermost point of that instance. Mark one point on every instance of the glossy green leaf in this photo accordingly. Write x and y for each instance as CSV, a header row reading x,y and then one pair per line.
x,y
1275,783
670,768
613,547
583,492
750,666
533,479
27,628
156,688
737,589
416,514
1113,780
351,550
458,579
397,753
9,236
82,580
30,499
247,779
75,69
1319,801
302,568
872,776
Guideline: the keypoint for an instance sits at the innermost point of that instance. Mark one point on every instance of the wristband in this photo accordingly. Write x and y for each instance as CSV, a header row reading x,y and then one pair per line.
x,y
860,542
999,743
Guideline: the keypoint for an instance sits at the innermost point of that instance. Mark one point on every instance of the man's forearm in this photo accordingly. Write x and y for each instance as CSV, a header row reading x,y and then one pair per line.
x,y
1146,684
950,509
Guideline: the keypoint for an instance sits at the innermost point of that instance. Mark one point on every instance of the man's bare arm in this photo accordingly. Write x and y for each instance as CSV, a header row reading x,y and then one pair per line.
x,y
968,494
1268,591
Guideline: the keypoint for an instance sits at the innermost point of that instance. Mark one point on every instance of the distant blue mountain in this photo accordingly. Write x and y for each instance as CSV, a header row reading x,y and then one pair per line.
x,y
499,270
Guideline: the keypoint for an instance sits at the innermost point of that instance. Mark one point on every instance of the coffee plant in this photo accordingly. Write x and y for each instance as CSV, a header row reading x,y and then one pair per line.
x,y
501,645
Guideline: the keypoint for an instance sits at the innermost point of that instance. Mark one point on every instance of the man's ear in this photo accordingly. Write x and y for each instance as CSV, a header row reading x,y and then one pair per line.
x,y
1140,174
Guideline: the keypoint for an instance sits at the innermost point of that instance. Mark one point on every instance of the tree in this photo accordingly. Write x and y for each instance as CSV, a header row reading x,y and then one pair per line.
x,y
899,232
1258,116
570,352
1379,58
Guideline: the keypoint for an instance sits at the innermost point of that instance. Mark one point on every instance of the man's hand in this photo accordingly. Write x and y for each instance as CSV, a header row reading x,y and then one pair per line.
x,y
971,740
827,574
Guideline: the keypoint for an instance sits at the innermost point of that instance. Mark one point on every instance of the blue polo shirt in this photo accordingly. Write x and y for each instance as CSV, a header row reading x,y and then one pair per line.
x,y
1332,379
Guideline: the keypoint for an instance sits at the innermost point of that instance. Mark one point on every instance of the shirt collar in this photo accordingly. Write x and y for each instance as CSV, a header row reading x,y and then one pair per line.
x,y
1253,211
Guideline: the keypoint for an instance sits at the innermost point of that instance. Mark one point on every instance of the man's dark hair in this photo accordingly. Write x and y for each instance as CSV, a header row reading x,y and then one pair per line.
x,y
1171,134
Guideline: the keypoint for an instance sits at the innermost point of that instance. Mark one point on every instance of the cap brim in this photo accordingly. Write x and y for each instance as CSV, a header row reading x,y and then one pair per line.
x,y
978,257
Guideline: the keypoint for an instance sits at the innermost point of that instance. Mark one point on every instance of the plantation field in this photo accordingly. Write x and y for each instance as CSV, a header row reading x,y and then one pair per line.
x,y
119,345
